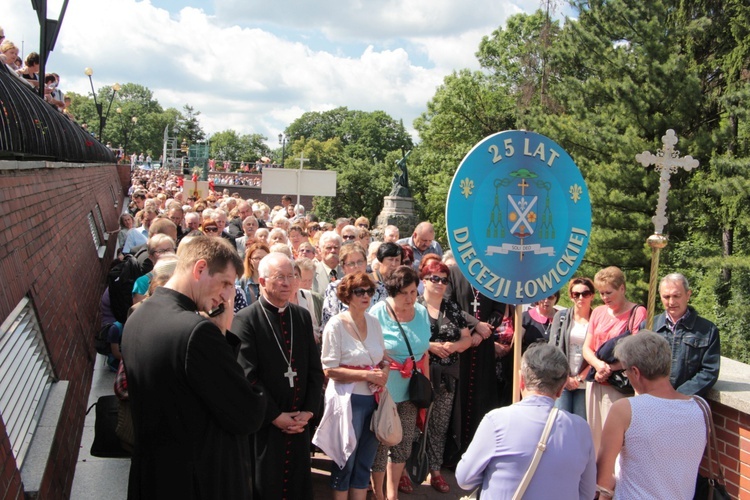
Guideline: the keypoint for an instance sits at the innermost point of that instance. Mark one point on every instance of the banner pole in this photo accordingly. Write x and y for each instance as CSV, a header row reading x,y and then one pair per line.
x,y
517,347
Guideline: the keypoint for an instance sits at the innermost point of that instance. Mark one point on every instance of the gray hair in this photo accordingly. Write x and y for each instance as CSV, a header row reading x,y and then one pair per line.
x,y
281,248
675,278
305,264
329,236
271,261
544,369
156,240
647,350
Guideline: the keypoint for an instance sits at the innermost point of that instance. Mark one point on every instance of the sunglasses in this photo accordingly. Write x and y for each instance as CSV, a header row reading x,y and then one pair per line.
x,y
359,292
349,237
437,279
211,229
313,228
578,295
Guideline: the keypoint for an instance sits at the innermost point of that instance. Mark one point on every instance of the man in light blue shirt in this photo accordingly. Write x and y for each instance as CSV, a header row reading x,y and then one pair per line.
x,y
422,242
139,235
505,441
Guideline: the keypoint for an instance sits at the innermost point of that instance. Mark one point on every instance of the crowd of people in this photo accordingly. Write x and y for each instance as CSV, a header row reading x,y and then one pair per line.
x,y
258,331
27,70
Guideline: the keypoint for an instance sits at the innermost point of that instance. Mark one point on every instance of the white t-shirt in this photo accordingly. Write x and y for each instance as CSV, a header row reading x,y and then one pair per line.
x,y
342,348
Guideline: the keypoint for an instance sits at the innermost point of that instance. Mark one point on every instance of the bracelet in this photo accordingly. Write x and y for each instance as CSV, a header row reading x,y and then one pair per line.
x,y
604,491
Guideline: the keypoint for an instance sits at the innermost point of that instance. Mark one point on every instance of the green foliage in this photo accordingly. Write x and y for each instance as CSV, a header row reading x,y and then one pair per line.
x,y
362,147
606,86
133,100
229,145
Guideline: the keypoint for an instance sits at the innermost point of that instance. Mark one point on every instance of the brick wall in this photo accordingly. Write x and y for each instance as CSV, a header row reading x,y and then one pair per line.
x,y
733,434
47,252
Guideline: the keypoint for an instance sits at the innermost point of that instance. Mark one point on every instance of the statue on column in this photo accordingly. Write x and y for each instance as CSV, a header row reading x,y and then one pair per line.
x,y
401,181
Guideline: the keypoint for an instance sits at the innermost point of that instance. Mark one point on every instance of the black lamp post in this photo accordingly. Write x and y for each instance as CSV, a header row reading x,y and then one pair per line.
x,y
99,106
128,130
282,141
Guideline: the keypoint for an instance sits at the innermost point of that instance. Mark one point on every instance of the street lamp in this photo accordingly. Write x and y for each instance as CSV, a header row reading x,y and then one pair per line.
x,y
99,107
282,141
128,130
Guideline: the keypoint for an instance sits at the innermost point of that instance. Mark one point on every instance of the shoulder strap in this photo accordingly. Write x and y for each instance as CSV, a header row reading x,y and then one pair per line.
x,y
401,328
712,447
540,448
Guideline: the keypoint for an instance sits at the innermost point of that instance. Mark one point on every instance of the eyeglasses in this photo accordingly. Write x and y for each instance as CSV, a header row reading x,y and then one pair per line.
x,y
355,264
348,237
211,229
359,292
283,278
437,279
577,295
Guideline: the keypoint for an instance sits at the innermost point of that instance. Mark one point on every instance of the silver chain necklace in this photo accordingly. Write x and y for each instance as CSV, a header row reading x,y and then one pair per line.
x,y
290,374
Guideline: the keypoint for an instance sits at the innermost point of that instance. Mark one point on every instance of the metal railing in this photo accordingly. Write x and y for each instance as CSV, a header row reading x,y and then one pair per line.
x,y
32,129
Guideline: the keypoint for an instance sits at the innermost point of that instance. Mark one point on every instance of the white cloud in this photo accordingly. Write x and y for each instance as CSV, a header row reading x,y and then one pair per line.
x,y
255,68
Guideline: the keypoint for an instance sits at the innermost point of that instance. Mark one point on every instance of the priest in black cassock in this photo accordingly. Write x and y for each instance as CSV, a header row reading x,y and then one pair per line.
x,y
278,351
479,389
192,406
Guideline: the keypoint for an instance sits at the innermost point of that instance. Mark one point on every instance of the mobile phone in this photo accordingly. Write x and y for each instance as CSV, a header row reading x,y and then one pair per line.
x,y
215,312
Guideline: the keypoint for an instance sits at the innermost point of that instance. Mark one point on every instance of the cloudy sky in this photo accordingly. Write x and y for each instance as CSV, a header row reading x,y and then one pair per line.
x,y
257,66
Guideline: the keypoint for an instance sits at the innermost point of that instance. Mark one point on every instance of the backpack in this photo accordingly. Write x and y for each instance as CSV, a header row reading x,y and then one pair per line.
x,y
120,279
101,344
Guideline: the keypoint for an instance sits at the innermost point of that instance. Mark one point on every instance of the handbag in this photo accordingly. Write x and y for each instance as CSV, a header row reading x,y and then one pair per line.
x,y
420,387
606,352
418,463
712,487
106,443
385,423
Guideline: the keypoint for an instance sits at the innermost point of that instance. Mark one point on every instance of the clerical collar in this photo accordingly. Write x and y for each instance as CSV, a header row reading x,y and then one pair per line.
x,y
271,306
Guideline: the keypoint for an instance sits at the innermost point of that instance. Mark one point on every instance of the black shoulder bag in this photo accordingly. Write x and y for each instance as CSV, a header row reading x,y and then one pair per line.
x,y
420,387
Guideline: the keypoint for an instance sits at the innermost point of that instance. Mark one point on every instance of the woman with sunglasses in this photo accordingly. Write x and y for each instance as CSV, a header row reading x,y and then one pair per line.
x,y
353,359
568,332
210,229
449,335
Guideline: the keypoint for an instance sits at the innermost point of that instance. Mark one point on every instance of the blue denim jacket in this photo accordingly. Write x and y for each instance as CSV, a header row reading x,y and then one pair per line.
x,y
696,353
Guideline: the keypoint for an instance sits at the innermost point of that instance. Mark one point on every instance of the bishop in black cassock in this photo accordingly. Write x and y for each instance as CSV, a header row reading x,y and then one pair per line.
x,y
478,385
278,351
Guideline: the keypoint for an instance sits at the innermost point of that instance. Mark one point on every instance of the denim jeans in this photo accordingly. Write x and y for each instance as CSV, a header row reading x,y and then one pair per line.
x,y
356,472
573,402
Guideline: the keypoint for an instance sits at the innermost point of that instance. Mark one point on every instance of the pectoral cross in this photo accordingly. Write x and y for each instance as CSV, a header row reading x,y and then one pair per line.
x,y
475,304
290,374
666,161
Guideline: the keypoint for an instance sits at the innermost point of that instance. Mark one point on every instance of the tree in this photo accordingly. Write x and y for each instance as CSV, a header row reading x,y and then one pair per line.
x,y
466,108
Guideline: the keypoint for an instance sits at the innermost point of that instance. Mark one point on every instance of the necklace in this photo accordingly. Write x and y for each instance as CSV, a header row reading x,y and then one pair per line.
x,y
356,330
290,374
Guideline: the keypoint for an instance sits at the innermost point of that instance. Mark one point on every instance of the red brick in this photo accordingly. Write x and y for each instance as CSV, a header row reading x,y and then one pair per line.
x,y
47,253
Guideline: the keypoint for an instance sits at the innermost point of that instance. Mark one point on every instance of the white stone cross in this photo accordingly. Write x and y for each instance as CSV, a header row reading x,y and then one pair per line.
x,y
666,161
290,374
302,161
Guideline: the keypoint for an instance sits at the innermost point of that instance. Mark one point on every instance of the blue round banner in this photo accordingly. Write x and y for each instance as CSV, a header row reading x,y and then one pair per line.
x,y
518,217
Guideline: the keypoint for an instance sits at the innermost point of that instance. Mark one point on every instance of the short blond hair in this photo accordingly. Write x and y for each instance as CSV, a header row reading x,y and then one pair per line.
x,y
612,276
